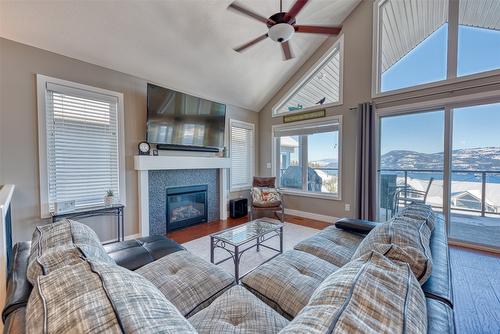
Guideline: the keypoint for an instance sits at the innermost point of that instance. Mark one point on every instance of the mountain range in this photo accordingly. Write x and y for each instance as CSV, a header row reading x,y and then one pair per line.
x,y
485,158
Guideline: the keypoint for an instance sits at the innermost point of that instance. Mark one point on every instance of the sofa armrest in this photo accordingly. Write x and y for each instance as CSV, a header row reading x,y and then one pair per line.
x,y
355,225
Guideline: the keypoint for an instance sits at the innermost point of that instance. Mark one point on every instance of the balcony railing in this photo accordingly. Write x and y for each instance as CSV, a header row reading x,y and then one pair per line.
x,y
326,169
482,175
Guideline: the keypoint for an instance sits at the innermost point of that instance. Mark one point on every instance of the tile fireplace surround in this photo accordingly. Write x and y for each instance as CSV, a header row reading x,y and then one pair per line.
x,y
145,164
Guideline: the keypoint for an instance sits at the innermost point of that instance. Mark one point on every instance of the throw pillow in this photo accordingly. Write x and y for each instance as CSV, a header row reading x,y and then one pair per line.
x,y
60,244
370,294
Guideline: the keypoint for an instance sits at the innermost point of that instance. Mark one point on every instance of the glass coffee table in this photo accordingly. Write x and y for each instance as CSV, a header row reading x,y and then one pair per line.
x,y
239,239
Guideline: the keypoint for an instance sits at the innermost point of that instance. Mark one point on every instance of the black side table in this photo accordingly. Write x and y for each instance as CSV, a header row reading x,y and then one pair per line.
x,y
108,210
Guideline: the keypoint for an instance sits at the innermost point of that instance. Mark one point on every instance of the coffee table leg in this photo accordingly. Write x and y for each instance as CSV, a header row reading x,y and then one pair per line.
x,y
236,264
258,244
281,239
211,249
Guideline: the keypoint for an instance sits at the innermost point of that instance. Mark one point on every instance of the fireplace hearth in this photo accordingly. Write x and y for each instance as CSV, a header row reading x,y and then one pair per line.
x,y
186,206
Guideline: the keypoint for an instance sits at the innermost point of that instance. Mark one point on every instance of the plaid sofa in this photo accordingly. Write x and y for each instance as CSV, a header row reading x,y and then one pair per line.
x,y
334,282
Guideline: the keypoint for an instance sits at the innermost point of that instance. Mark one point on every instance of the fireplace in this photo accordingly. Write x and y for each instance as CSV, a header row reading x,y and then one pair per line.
x,y
186,206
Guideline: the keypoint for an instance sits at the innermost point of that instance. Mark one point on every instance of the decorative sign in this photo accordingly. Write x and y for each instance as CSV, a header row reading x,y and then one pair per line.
x,y
304,116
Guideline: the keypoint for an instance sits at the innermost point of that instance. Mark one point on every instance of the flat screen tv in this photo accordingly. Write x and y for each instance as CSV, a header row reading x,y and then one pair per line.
x,y
181,121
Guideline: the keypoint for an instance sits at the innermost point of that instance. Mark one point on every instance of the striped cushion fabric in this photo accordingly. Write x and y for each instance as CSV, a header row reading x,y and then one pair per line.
x,y
331,244
188,282
238,311
371,294
401,240
95,297
60,244
289,280
420,211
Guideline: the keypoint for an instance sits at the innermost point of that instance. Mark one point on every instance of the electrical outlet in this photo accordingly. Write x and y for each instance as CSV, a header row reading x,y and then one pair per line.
x,y
268,165
348,207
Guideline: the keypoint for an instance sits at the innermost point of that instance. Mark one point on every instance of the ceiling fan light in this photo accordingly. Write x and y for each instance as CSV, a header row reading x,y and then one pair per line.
x,y
281,32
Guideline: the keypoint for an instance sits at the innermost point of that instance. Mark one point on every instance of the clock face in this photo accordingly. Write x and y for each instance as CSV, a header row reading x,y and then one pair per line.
x,y
144,147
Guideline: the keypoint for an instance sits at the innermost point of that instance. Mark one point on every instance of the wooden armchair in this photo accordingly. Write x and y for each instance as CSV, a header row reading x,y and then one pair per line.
x,y
276,205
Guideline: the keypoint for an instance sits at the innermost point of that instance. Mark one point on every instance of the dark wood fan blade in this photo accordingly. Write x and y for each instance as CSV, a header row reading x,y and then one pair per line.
x,y
250,13
296,8
287,51
252,42
318,29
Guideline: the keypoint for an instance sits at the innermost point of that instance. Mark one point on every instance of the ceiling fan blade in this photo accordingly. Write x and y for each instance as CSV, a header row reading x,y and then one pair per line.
x,y
296,8
250,13
318,29
287,51
252,42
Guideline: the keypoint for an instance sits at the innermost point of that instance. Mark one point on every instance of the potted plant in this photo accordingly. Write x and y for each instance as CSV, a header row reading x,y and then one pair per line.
x,y
109,198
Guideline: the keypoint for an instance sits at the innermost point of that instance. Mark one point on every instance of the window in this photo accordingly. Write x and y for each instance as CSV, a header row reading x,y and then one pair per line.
x,y
320,87
420,42
307,157
80,144
242,154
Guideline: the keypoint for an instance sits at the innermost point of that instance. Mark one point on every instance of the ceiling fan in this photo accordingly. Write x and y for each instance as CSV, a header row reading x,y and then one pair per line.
x,y
282,26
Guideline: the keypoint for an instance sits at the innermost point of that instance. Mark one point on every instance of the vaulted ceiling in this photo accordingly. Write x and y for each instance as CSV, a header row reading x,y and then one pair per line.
x,y
185,45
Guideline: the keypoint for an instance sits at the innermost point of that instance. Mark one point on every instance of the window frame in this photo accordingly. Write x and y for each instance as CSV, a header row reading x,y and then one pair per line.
x,y
451,56
338,45
41,82
251,127
306,124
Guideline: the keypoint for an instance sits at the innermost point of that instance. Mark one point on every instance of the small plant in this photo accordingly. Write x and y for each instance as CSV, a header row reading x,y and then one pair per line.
x,y
110,193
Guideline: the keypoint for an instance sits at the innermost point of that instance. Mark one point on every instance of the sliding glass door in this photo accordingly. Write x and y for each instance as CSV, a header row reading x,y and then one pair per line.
x,y
411,161
448,158
475,175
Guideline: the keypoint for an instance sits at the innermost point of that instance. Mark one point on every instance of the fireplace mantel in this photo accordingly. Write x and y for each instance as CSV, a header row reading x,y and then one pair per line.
x,y
148,162
145,163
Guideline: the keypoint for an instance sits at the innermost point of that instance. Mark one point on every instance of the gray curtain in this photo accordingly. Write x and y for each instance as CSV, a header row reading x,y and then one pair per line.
x,y
367,172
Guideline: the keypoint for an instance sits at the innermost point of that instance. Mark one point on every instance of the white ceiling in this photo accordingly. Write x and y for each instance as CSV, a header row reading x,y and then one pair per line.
x,y
182,44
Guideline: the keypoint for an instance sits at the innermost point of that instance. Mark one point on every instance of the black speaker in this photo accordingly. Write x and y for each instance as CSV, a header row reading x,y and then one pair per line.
x,y
238,208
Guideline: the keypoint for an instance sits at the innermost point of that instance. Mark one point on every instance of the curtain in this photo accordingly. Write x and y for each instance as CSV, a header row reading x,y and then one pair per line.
x,y
367,172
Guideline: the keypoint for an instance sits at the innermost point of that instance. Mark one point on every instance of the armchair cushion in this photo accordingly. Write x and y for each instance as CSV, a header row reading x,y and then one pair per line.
x,y
266,197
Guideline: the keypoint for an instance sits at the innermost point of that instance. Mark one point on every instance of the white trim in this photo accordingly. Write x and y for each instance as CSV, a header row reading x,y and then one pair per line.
x,y
251,127
165,162
41,82
338,45
451,56
308,123
310,215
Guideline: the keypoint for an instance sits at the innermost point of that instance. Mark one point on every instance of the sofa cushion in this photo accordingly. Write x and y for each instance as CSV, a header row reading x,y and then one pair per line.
x,y
238,311
60,244
420,211
135,253
331,244
188,282
401,241
95,297
288,281
355,225
371,294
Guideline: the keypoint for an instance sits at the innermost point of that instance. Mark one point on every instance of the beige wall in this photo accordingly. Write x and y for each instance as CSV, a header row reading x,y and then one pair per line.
x,y
18,128
357,30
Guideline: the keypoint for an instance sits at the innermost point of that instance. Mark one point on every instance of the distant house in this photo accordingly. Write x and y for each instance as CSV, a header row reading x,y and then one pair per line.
x,y
471,199
288,146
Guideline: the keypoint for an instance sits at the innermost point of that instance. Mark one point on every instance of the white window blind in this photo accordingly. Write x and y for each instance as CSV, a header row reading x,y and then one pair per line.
x,y
242,138
82,145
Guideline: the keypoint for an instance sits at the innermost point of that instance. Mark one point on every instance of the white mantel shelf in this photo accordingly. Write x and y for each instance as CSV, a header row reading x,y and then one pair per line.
x,y
148,162
144,163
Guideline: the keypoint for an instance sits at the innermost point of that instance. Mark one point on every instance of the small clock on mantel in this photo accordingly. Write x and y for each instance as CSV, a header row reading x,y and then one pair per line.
x,y
144,148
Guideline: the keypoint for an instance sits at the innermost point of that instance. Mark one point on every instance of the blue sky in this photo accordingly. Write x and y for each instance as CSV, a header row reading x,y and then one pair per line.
x,y
479,50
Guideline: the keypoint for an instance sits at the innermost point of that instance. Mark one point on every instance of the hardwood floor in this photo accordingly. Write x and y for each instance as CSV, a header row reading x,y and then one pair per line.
x,y
476,290
201,230
475,275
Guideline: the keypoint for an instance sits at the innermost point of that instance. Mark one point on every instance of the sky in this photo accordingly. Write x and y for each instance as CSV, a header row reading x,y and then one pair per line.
x,y
479,50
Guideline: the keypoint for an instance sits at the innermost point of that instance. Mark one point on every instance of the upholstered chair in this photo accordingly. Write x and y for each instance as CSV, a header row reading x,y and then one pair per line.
x,y
265,197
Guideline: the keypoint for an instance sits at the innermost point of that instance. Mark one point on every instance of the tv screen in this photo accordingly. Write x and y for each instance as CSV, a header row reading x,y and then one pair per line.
x,y
176,118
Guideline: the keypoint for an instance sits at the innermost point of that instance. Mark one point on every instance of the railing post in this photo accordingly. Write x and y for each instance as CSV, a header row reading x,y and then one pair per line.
x,y
406,186
483,193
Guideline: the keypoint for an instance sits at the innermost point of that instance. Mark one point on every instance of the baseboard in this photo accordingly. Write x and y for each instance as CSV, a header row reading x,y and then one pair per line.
x,y
310,215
